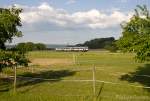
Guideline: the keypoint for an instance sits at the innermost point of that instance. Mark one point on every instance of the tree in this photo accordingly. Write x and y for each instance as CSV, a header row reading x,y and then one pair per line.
x,y
136,34
40,46
9,23
112,47
12,58
29,46
21,47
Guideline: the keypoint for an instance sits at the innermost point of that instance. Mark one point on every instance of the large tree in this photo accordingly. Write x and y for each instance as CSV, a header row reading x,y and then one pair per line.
x,y
9,23
136,34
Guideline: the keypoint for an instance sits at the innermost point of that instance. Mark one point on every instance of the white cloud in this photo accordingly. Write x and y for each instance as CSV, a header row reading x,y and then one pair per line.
x,y
61,19
123,1
70,2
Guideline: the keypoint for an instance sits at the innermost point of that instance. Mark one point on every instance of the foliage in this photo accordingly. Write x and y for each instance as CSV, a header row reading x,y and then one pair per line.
x,y
12,58
98,43
29,46
112,47
40,46
136,34
9,23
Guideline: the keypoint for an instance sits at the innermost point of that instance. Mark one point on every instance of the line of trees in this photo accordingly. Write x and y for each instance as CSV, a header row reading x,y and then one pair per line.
x,y
101,43
30,46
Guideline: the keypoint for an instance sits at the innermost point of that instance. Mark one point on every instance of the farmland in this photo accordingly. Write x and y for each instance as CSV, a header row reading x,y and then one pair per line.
x,y
61,76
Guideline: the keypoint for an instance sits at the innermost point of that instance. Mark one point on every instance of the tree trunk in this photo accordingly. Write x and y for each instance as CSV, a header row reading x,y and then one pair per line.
x,y
2,46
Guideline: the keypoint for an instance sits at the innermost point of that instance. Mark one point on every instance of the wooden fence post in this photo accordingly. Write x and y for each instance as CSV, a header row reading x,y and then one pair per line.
x,y
32,69
15,79
94,82
74,59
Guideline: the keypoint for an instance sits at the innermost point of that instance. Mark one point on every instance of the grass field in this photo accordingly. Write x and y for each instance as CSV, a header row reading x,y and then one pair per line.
x,y
118,68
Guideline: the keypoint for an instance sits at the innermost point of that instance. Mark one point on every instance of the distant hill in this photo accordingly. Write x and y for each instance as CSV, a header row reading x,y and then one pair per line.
x,y
99,43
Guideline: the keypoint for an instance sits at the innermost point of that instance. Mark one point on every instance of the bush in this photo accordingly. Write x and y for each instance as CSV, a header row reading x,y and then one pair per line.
x,y
112,47
12,58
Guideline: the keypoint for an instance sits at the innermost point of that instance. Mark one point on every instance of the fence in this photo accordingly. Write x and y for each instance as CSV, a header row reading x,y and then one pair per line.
x,y
93,81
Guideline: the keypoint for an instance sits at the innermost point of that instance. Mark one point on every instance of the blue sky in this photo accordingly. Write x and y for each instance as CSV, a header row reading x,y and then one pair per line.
x,y
72,21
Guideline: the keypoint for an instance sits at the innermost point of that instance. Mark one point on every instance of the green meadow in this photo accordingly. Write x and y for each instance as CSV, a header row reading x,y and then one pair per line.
x,y
61,76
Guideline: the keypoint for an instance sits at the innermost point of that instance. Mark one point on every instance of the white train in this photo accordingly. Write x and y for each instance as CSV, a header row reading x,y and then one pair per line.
x,y
83,49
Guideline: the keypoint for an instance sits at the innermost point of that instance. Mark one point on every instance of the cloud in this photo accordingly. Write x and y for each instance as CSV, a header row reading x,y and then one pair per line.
x,y
70,2
45,15
123,1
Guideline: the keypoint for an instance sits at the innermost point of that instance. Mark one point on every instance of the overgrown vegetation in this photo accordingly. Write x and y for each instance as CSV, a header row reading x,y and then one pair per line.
x,y
136,34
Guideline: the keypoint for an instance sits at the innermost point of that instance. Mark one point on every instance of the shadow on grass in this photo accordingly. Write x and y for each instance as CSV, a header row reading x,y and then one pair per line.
x,y
29,79
136,76
39,77
5,84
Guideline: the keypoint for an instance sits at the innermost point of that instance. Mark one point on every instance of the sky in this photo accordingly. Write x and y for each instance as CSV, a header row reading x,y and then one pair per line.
x,y
72,21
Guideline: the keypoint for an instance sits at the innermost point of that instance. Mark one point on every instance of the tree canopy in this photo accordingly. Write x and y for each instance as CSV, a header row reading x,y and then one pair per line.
x,y
9,23
29,46
136,34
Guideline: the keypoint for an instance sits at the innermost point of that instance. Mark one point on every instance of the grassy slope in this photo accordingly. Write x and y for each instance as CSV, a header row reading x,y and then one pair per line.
x,y
112,66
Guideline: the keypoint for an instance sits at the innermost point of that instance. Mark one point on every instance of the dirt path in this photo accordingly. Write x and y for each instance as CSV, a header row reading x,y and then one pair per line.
x,y
47,61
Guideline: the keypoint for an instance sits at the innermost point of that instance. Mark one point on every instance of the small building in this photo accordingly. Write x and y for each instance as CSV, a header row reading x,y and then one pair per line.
x,y
82,49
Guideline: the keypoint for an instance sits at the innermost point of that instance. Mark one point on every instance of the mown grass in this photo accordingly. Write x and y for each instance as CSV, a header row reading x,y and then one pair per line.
x,y
111,67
